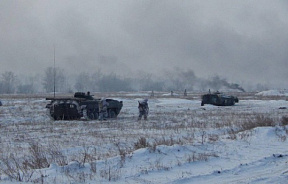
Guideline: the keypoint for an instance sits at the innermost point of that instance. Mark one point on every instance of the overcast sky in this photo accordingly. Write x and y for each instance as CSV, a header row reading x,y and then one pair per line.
x,y
243,41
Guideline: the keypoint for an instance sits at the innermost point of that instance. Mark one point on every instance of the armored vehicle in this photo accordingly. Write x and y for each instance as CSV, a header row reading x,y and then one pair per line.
x,y
81,106
219,99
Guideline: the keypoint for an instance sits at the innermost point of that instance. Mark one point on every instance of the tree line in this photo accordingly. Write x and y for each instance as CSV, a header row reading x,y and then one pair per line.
x,y
98,81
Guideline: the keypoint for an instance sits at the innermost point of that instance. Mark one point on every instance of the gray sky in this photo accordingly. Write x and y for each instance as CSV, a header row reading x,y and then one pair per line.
x,y
243,41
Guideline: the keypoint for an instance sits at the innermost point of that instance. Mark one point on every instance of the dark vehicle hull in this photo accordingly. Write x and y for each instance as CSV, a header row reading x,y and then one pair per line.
x,y
219,99
80,107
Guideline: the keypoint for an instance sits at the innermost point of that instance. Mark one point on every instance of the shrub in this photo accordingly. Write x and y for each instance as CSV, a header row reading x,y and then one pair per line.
x,y
259,121
15,169
37,158
141,143
284,120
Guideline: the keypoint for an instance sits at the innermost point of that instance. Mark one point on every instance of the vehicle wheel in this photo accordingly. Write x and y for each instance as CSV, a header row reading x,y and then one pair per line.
x,y
96,115
91,116
112,114
86,114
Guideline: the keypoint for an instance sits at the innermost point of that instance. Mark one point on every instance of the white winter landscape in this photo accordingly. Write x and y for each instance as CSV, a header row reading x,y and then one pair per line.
x,y
181,142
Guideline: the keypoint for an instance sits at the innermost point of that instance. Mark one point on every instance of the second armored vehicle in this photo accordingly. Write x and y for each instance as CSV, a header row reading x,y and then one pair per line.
x,y
81,106
219,99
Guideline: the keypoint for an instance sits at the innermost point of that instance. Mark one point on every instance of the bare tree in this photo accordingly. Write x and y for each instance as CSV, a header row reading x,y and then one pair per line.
x,y
112,82
83,82
8,82
28,84
54,77
181,79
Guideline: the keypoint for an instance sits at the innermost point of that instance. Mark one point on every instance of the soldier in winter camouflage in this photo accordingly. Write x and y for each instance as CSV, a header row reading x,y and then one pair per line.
x,y
143,109
103,105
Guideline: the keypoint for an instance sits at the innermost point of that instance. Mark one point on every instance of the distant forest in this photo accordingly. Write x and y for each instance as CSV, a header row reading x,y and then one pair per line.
x,y
11,83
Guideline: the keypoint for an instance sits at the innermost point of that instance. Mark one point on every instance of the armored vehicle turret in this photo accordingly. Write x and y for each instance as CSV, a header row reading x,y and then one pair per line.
x,y
80,106
219,99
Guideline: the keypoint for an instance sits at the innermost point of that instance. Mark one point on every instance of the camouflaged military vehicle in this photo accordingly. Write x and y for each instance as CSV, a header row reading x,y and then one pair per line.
x,y
219,99
81,106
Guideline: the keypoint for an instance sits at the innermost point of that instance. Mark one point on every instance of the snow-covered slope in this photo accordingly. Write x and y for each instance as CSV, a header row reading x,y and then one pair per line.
x,y
273,93
186,143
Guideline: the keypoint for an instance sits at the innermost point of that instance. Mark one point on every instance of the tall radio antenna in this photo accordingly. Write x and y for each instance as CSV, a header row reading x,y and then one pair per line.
x,y
54,73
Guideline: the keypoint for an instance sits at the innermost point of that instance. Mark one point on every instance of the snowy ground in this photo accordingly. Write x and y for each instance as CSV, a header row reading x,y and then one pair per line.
x,y
181,142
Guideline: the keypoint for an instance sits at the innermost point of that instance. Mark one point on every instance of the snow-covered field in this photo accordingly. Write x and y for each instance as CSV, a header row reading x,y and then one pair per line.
x,y
181,142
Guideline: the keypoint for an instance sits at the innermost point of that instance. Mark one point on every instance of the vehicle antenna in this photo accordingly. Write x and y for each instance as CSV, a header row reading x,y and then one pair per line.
x,y
54,73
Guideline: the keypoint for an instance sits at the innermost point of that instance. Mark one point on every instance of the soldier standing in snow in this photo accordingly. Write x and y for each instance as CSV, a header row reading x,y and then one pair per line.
x,y
185,92
89,96
143,109
103,105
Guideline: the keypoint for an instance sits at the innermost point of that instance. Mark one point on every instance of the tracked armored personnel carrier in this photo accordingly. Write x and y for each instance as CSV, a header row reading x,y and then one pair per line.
x,y
81,106
219,99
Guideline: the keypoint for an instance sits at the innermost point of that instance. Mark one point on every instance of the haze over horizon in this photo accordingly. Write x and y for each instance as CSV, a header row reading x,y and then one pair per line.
x,y
243,41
